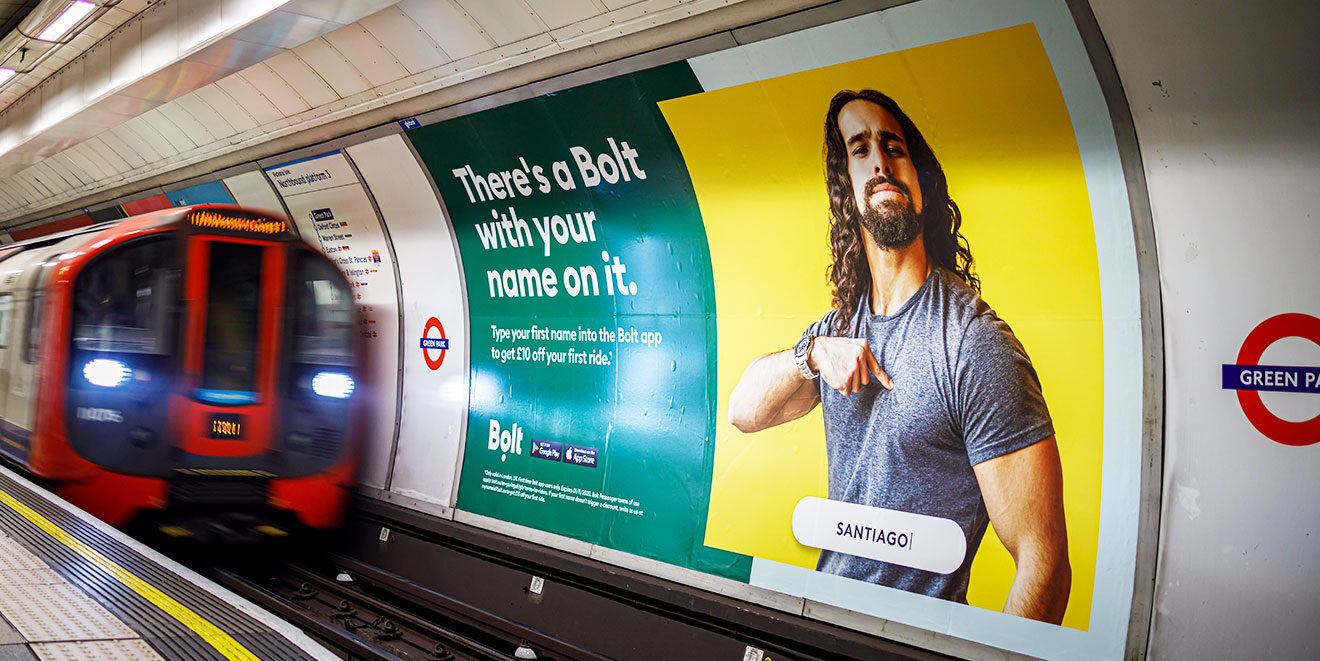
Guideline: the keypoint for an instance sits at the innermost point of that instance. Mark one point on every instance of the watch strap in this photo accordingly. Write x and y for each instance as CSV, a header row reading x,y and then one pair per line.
x,y
801,354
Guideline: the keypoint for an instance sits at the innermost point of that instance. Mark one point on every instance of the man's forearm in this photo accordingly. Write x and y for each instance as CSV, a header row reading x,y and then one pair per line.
x,y
770,389
1041,587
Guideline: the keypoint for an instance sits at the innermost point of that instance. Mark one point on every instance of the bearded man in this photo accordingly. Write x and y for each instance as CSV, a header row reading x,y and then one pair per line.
x,y
931,404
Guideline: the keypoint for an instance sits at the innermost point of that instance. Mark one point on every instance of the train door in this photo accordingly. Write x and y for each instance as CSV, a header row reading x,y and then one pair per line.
x,y
227,410
8,285
8,308
25,275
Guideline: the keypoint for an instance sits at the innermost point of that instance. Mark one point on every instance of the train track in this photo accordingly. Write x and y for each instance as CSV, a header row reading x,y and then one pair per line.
x,y
374,617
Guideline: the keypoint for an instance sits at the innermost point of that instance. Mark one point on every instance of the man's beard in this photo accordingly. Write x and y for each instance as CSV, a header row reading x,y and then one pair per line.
x,y
894,222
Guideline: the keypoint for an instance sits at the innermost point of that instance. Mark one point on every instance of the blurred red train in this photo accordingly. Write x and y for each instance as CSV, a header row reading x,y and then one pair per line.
x,y
196,365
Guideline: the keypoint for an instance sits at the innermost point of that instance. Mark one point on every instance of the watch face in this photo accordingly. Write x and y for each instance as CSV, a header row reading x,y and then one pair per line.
x,y
803,344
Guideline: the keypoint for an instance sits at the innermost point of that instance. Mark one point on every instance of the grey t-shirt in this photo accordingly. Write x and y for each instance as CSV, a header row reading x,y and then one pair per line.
x,y
964,392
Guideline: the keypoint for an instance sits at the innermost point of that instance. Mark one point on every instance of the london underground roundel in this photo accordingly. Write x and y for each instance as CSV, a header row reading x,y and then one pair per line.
x,y
1248,377
434,344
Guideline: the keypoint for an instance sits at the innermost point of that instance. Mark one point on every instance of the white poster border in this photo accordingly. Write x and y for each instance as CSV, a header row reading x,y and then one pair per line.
x,y
933,21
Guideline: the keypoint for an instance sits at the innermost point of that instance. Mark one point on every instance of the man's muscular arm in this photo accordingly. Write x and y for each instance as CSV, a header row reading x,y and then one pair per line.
x,y
772,391
1023,493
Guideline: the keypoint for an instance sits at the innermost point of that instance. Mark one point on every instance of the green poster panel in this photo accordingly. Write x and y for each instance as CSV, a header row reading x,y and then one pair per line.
x,y
592,316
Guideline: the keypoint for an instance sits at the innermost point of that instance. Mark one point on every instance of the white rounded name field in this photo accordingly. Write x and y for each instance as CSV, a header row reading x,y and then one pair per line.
x,y
902,538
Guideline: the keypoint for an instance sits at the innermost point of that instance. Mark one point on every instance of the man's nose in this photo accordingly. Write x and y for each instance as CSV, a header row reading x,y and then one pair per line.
x,y
882,164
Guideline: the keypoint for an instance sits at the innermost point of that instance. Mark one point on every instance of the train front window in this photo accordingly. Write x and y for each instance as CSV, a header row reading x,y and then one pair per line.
x,y
323,314
232,307
126,301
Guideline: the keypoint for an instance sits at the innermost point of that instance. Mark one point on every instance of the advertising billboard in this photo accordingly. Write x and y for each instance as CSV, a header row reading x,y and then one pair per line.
x,y
849,314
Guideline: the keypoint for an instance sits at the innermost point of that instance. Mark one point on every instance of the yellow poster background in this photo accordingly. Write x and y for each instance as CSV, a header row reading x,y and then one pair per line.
x,y
990,107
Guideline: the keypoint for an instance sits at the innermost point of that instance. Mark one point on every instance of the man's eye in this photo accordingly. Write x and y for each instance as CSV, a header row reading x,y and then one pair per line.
x,y
895,152
859,151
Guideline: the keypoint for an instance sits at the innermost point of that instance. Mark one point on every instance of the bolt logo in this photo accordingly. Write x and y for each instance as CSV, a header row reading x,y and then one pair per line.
x,y
430,344
1248,377
507,441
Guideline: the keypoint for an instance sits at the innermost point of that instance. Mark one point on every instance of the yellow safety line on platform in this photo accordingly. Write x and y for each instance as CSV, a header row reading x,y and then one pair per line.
x,y
213,635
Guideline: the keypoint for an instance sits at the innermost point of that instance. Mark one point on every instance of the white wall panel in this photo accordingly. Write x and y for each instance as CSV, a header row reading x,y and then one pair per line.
x,y
35,187
252,189
58,176
12,196
32,188
435,396
96,71
224,105
115,158
217,125
133,6
335,214
307,83
63,180
275,89
21,189
90,151
43,182
196,132
505,21
449,26
127,146
126,55
140,135
366,54
342,12
51,180
24,113
80,167
100,28
65,96
559,13
281,29
238,12
1230,141
7,138
66,177
25,188
203,21
406,41
55,61
333,68
91,162
75,176
160,36
250,98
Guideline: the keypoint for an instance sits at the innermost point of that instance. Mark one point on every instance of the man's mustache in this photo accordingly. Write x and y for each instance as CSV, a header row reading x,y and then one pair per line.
x,y
880,180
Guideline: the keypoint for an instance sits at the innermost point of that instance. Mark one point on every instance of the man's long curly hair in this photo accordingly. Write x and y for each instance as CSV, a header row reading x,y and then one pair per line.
x,y
940,219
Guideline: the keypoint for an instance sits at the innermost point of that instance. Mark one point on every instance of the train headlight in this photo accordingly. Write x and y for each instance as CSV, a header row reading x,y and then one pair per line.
x,y
335,385
105,372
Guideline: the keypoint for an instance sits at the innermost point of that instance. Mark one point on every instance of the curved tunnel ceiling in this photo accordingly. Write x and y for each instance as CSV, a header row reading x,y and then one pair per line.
x,y
142,104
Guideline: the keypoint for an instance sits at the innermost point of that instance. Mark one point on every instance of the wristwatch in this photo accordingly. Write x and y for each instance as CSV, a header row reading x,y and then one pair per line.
x,y
801,351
